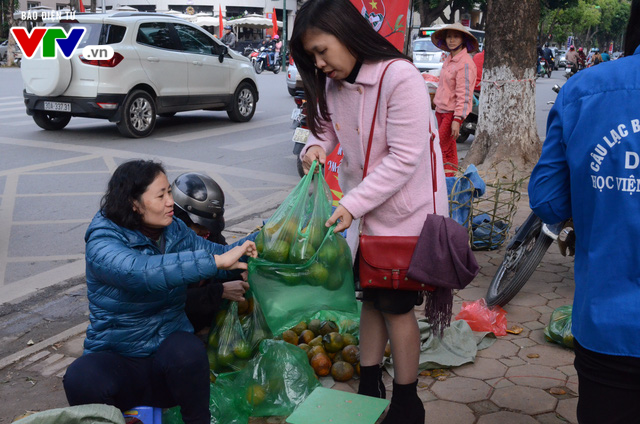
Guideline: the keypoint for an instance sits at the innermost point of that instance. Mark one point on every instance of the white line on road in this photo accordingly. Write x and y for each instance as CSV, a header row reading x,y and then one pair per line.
x,y
51,258
6,215
244,146
227,129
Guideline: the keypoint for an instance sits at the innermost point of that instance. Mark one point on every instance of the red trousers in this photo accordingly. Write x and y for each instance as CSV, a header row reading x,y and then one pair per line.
x,y
447,143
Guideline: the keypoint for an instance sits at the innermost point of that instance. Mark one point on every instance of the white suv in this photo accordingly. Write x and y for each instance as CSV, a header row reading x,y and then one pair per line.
x,y
162,65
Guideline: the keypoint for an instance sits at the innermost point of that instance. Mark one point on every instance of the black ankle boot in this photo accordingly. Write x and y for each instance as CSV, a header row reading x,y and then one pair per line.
x,y
371,382
406,407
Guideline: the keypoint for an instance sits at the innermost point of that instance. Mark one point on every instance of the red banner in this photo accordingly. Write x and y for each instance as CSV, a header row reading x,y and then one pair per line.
x,y
387,17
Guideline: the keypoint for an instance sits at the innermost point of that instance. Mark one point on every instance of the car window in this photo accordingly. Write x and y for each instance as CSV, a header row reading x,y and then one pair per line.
x,y
424,46
156,34
113,34
195,41
91,34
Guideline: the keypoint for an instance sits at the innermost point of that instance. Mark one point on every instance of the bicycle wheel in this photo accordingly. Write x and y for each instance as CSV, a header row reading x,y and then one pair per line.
x,y
517,266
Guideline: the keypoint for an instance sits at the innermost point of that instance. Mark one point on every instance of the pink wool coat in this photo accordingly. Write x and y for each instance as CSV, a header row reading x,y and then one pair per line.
x,y
396,195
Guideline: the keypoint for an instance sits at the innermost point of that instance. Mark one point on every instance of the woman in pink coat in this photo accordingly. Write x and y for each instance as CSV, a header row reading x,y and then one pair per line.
x,y
341,60
454,97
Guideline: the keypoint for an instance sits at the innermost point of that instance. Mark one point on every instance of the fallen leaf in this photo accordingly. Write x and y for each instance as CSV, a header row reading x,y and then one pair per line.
x,y
557,391
30,343
439,372
515,329
533,355
442,378
425,373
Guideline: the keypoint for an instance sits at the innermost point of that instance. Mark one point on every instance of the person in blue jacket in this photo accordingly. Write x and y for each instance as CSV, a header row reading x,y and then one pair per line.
x,y
140,348
590,170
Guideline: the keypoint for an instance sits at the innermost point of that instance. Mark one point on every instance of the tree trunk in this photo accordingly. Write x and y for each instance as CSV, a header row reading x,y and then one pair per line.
x,y
428,14
506,137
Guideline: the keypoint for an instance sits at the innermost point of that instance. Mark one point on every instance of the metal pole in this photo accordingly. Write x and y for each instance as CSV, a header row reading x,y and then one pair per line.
x,y
104,7
408,29
284,35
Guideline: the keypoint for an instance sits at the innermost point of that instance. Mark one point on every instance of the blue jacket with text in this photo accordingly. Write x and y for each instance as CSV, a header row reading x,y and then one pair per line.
x,y
590,170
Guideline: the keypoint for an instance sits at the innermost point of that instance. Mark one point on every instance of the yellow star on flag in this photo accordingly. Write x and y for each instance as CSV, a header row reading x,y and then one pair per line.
x,y
373,4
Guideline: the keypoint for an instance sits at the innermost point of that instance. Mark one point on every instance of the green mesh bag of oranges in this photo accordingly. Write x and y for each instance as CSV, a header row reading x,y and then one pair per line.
x,y
302,266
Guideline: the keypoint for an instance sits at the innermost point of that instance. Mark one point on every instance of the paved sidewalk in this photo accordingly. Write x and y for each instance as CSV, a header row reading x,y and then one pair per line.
x,y
519,379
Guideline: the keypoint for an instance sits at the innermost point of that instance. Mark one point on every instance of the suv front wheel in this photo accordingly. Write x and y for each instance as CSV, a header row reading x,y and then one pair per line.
x,y
138,115
244,103
50,120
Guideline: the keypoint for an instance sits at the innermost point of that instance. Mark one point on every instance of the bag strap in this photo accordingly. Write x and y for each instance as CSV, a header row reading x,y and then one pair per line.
x,y
434,176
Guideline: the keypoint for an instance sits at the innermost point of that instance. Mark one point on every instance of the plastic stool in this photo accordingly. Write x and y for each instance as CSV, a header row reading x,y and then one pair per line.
x,y
143,415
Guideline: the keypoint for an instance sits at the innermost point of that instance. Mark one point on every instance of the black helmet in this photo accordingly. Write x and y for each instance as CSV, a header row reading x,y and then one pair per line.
x,y
201,199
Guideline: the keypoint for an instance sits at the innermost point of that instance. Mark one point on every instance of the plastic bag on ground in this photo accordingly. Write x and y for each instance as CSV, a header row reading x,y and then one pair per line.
x,y
303,267
482,318
559,328
273,384
227,347
254,325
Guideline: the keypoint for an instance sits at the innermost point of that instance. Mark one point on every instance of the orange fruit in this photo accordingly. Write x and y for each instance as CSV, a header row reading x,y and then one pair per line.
x,y
301,252
315,350
278,251
333,342
349,339
321,364
314,325
299,327
387,350
351,354
242,350
256,394
306,336
316,341
290,336
342,371
317,274
327,327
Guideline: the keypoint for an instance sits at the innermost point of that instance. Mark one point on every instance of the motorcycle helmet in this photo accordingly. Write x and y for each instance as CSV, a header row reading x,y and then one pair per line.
x,y
580,49
276,37
199,199
571,47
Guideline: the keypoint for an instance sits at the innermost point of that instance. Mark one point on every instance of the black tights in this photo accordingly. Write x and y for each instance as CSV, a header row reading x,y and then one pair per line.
x,y
176,374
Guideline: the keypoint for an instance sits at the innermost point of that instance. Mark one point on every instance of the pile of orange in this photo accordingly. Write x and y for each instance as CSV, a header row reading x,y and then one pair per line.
x,y
329,351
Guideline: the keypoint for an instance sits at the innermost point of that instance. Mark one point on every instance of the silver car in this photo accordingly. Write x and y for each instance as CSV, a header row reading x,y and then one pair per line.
x,y
426,56
294,82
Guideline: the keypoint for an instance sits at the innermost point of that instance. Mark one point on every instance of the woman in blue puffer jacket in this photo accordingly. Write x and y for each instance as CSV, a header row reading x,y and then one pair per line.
x,y
140,348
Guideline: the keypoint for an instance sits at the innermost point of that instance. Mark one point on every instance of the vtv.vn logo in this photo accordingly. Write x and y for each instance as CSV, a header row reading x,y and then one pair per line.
x,y
54,39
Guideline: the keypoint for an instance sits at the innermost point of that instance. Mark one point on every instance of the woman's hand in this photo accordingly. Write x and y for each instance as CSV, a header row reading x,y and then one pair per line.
x,y
230,260
344,218
314,153
234,290
455,130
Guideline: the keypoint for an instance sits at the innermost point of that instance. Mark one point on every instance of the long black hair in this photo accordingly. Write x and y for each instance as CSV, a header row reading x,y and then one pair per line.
x,y
341,19
128,183
632,36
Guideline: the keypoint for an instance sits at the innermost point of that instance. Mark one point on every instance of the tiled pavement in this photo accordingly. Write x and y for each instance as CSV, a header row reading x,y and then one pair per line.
x,y
519,379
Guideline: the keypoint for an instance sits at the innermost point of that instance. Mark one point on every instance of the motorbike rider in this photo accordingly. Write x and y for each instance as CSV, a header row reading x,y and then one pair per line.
x,y
572,56
548,56
199,203
229,38
582,58
270,46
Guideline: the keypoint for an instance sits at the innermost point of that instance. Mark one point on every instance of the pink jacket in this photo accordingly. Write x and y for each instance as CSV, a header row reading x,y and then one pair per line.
x,y
397,195
456,85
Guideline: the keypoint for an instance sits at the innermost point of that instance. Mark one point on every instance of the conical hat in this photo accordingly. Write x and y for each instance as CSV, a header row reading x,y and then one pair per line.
x,y
439,37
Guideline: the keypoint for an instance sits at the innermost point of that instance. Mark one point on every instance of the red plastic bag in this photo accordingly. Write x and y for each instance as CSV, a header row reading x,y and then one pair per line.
x,y
482,318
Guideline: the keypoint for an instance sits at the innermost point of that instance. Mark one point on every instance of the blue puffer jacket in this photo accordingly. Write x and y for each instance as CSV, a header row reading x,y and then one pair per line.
x,y
136,294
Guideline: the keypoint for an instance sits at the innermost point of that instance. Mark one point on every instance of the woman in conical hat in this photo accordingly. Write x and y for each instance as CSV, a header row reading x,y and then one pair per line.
x,y
454,97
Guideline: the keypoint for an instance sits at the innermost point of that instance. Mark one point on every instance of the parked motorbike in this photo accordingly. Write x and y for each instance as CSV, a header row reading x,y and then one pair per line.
x,y
299,123
471,121
268,60
524,253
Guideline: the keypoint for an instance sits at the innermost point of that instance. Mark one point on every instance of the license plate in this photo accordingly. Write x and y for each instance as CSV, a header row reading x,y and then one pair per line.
x,y
295,114
57,106
301,135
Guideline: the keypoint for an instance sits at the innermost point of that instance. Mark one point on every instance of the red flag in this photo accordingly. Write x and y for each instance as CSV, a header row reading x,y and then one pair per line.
x,y
274,19
390,20
220,16
81,6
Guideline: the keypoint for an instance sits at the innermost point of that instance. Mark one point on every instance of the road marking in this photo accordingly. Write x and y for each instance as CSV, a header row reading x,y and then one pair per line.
x,y
44,165
227,129
244,146
6,109
6,216
12,103
51,258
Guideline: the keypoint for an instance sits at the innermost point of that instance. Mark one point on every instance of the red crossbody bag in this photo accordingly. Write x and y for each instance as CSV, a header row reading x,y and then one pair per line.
x,y
384,260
